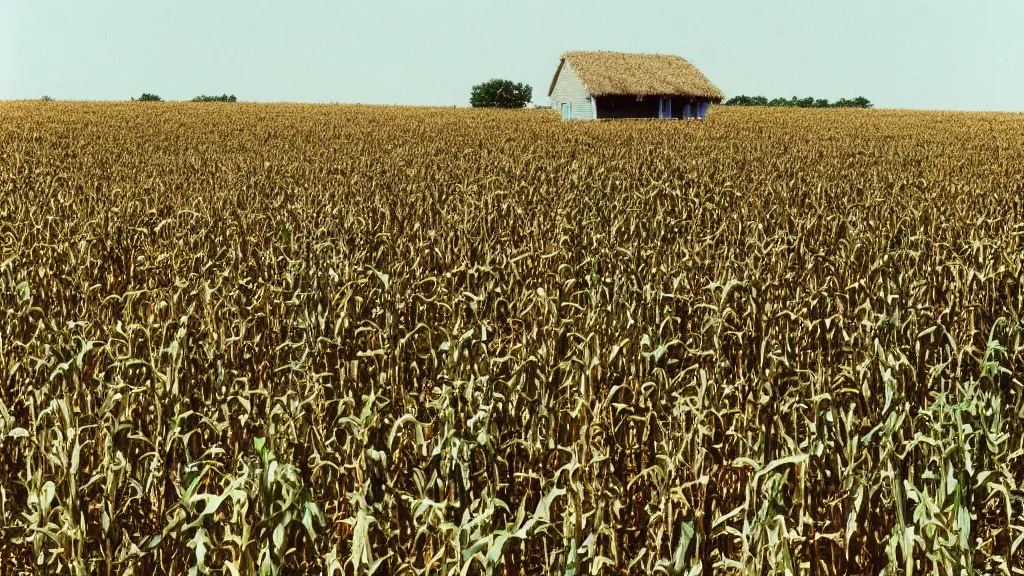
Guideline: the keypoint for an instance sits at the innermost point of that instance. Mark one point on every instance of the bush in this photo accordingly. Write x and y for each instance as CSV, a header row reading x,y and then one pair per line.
x,y
498,93
222,98
46,99
147,97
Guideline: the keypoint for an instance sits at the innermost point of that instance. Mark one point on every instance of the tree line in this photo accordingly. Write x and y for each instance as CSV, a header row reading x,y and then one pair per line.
x,y
222,98
795,102
147,97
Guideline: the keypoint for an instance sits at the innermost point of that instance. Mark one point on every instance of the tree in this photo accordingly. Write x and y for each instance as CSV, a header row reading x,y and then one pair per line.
x,y
147,97
498,93
223,98
47,99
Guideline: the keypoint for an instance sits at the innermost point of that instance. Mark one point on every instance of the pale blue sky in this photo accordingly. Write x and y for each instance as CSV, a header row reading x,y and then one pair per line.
x,y
936,54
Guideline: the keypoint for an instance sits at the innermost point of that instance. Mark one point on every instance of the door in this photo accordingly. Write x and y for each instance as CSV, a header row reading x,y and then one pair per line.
x,y
566,110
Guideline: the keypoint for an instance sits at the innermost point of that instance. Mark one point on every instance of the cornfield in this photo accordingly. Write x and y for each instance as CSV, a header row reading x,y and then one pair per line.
x,y
301,339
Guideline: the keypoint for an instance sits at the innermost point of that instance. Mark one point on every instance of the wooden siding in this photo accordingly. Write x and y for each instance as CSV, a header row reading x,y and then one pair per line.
x,y
569,88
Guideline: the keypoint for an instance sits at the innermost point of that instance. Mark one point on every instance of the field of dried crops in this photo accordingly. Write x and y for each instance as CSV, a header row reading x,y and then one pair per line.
x,y
242,339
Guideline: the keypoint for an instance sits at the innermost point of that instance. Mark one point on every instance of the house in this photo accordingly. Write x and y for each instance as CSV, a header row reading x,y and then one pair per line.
x,y
592,85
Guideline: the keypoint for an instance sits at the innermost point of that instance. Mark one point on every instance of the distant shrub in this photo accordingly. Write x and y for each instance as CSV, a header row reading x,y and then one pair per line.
x,y
147,97
47,99
222,98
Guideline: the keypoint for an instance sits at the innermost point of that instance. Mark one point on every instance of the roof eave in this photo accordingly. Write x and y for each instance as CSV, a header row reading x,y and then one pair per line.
x,y
554,80
713,98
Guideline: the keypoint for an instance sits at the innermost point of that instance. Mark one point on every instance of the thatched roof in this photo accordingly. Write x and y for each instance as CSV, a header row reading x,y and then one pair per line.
x,y
620,73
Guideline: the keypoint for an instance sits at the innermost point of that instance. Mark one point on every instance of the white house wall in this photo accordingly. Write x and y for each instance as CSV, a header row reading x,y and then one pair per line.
x,y
569,88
